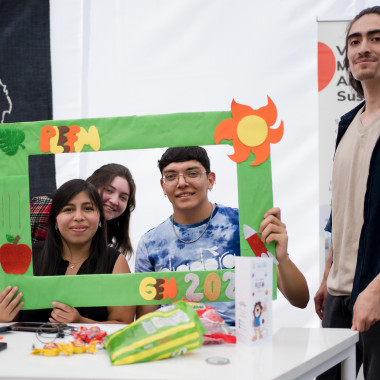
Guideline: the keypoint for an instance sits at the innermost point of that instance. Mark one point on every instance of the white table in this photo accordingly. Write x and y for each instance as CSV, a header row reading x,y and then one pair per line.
x,y
296,353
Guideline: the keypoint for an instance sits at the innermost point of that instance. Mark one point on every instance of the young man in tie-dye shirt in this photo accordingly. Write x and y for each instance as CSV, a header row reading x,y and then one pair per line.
x,y
200,235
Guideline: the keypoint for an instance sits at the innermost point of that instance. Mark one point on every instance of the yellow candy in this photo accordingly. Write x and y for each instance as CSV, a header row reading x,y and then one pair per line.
x,y
92,347
50,349
76,347
66,349
79,346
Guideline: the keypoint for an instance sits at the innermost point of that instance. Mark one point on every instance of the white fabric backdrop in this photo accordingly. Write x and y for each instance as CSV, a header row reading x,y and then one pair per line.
x,y
121,58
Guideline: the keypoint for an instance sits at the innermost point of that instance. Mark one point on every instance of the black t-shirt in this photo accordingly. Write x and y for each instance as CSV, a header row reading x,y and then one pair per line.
x,y
99,314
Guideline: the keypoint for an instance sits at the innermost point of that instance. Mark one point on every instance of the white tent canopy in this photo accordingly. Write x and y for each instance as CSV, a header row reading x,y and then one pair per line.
x,y
121,58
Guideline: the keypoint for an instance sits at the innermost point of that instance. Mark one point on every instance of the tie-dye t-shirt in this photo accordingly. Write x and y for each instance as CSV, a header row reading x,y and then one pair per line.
x,y
160,250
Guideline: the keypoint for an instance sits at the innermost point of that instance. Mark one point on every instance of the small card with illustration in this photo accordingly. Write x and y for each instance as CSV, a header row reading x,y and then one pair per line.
x,y
253,298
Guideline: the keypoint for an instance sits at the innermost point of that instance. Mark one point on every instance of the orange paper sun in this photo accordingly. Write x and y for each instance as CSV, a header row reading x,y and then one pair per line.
x,y
250,131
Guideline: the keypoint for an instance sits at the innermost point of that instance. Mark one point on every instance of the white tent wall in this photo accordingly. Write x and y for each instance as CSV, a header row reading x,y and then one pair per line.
x,y
121,58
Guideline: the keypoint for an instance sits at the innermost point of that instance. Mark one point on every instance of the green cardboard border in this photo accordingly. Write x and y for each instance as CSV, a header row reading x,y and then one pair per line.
x,y
120,133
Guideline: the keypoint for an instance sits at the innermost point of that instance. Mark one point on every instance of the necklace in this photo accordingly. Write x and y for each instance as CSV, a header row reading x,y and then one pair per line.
x,y
73,265
193,241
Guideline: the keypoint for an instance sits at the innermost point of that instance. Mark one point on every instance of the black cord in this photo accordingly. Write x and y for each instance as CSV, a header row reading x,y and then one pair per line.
x,y
49,332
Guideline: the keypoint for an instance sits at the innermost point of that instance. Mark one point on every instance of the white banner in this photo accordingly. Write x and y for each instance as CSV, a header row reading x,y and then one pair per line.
x,y
336,98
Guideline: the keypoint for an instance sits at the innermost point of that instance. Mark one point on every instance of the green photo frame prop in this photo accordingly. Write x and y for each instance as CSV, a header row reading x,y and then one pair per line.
x,y
20,140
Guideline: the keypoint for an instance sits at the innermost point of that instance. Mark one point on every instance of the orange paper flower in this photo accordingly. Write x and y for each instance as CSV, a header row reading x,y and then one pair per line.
x,y
250,131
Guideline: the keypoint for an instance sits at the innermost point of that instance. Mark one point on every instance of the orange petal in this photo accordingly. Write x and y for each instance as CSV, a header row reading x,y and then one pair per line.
x,y
241,151
225,130
268,112
238,111
261,153
275,135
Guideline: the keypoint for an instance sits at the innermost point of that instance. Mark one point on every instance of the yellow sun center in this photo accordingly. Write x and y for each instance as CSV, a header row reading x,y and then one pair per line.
x,y
252,130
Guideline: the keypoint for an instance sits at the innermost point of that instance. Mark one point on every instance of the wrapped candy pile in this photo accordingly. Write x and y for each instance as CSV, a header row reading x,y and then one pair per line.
x,y
86,340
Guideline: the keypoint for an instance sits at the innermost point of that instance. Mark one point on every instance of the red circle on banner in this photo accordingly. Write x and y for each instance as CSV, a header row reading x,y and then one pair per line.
x,y
326,65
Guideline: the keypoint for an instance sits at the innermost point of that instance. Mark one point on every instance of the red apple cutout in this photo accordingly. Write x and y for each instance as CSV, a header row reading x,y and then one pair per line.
x,y
15,259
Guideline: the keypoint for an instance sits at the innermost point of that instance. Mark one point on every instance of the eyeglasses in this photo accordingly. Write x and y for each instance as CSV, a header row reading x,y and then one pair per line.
x,y
189,176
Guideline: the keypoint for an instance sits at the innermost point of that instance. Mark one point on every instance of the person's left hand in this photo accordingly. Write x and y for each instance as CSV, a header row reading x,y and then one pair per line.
x,y
64,314
272,229
366,309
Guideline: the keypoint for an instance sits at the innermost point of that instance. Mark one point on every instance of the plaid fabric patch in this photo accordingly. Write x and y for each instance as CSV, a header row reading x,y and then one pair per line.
x,y
39,213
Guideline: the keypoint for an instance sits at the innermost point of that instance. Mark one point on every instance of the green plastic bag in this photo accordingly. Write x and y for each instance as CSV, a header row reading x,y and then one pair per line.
x,y
168,332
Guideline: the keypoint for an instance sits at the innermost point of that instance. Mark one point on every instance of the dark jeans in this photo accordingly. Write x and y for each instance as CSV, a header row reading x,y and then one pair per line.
x,y
338,315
